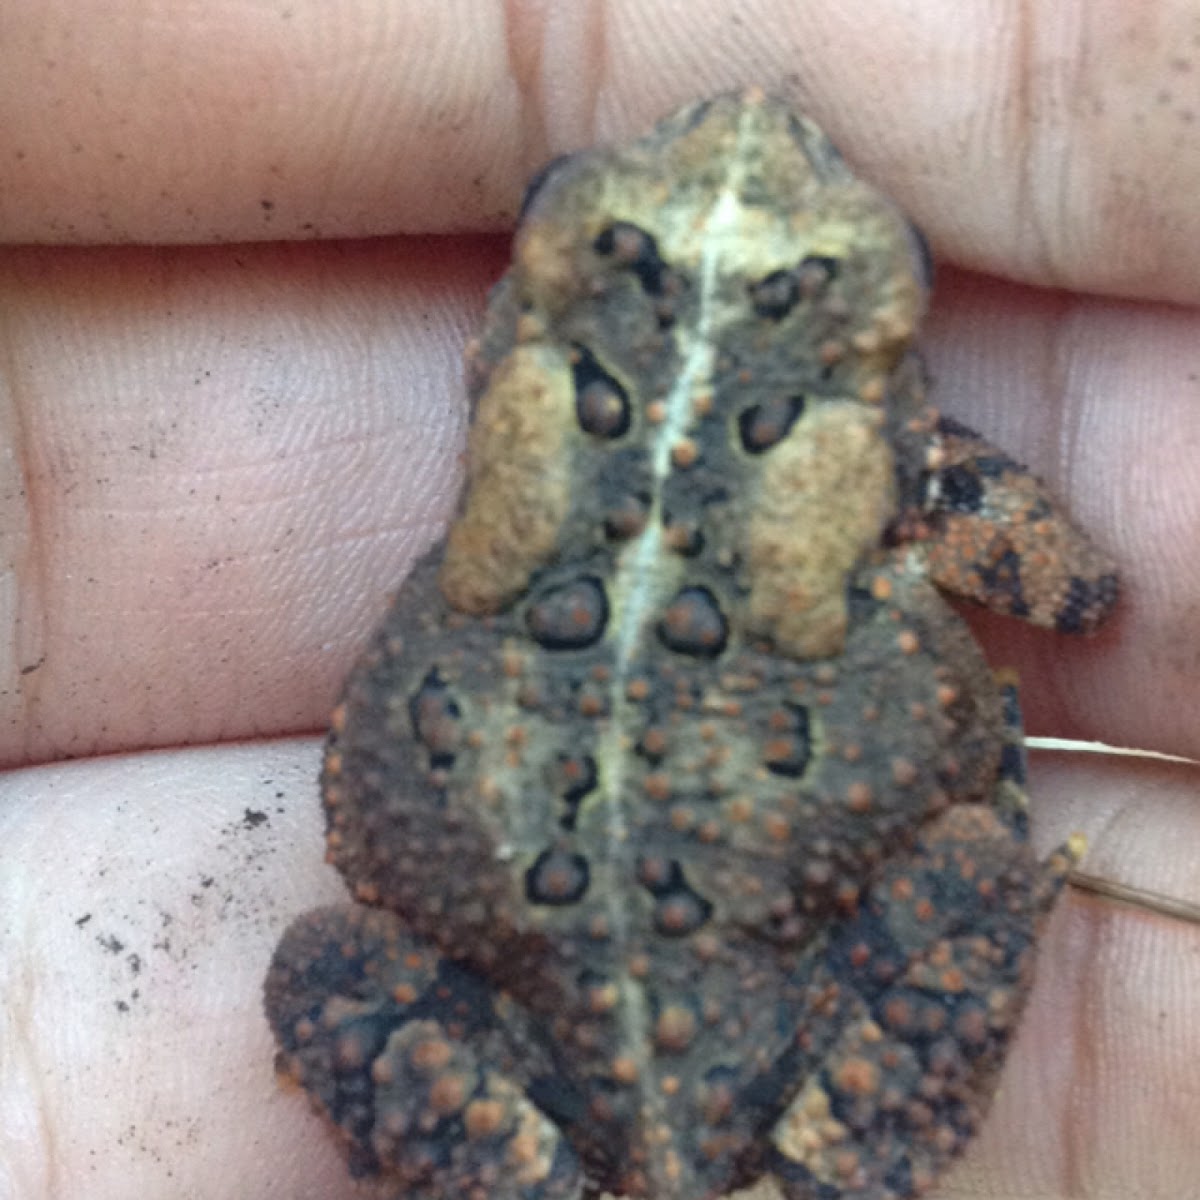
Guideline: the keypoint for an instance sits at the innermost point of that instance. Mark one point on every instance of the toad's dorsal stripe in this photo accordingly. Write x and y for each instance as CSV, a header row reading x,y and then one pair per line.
x,y
639,565
639,579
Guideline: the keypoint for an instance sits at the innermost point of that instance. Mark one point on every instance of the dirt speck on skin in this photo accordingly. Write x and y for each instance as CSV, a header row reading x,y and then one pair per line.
x,y
112,947
242,848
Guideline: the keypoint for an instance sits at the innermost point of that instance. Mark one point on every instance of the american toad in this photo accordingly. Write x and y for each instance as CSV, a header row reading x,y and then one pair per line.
x,y
684,817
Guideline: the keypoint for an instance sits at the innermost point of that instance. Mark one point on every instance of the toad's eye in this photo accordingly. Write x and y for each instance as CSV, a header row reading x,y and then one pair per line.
x,y
539,180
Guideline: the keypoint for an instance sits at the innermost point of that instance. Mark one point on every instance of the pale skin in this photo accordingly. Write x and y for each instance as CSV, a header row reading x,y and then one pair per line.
x,y
217,462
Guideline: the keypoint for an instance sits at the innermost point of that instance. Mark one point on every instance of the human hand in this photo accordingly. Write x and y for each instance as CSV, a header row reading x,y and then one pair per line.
x,y
221,459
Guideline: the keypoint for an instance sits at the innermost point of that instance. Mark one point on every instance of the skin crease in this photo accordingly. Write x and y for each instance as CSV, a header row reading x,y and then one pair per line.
x,y
217,461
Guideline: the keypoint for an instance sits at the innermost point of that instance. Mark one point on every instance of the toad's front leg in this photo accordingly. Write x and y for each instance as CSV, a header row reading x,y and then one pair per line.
x,y
990,531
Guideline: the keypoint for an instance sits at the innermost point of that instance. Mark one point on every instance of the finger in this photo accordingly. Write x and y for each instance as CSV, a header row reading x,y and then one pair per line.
x,y
1097,396
1022,141
220,463
137,1059
1095,1098
224,460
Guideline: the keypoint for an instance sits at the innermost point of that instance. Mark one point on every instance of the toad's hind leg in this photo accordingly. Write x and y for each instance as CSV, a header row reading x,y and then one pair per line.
x,y
932,974
405,1053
